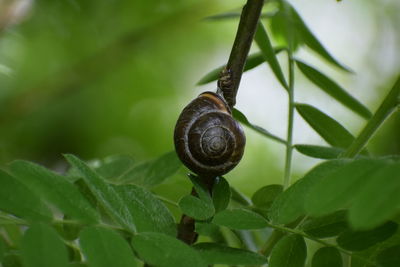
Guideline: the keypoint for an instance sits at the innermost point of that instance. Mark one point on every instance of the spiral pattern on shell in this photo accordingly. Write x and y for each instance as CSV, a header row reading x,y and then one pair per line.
x,y
207,138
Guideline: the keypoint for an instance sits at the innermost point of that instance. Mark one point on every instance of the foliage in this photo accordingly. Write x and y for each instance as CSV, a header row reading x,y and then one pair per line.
x,y
107,213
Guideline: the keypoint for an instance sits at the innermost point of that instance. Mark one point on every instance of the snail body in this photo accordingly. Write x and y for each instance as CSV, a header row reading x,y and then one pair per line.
x,y
208,140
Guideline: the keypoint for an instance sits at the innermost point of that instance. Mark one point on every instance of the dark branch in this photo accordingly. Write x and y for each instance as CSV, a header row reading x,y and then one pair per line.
x,y
229,84
230,77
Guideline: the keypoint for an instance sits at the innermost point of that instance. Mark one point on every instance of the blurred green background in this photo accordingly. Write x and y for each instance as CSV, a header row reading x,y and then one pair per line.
x,y
97,78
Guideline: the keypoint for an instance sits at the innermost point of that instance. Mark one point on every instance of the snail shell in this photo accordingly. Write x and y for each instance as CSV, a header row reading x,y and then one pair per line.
x,y
207,138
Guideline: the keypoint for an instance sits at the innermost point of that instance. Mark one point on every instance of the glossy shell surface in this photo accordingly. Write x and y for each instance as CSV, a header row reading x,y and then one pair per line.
x,y
207,138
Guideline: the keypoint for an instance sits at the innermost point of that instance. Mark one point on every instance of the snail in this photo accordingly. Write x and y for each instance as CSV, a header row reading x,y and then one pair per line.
x,y
208,140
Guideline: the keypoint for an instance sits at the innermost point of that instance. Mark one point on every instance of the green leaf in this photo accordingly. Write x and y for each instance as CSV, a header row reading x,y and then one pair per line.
x,y
240,219
196,208
56,190
12,260
389,257
153,172
312,42
42,247
85,191
329,129
326,226
105,193
289,205
265,196
252,61
69,231
360,240
338,189
114,166
327,257
148,212
165,251
17,199
202,207
2,248
13,232
224,16
221,194
334,90
210,230
214,253
388,106
201,188
77,264
103,248
74,252
264,43
319,152
283,26
378,200
238,115
290,251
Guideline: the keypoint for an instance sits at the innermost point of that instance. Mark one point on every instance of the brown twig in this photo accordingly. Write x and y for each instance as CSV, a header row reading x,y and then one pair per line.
x,y
232,74
228,84
186,227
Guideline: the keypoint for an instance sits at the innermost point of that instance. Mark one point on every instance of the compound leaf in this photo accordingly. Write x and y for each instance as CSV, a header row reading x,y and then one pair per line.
x,y
56,189
106,194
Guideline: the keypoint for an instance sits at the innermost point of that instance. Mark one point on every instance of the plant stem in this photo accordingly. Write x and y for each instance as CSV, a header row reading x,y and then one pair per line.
x,y
229,84
277,235
389,104
240,49
347,260
289,140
